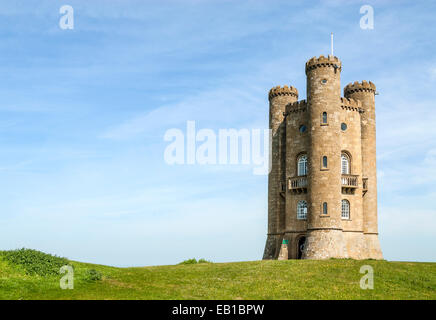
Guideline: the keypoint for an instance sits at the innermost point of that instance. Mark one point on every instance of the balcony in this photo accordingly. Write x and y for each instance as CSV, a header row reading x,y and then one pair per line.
x,y
349,183
298,184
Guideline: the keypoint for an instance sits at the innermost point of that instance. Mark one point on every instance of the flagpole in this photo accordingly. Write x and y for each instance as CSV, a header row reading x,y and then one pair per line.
x,y
331,43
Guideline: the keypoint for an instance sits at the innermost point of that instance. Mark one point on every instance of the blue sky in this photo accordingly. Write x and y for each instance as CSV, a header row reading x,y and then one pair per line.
x,y
83,113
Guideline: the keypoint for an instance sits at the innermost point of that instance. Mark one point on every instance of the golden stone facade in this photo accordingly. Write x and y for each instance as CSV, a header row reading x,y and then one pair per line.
x,y
322,188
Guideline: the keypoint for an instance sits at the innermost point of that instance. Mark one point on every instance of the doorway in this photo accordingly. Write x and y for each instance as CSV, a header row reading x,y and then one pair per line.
x,y
301,243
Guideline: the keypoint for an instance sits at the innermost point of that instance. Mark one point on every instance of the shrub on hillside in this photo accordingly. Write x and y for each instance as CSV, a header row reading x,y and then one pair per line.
x,y
189,261
194,261
204,261
35,262
93,275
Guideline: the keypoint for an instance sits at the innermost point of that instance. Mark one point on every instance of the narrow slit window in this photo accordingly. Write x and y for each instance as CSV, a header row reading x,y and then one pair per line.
x,y
324,162
324,117
324,208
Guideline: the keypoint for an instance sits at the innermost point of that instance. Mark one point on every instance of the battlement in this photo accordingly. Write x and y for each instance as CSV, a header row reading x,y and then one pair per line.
x,y
330,61
279,91
359,86
351,104
298,106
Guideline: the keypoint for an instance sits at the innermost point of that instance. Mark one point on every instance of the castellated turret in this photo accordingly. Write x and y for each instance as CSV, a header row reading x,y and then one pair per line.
x,y
322,188
279,98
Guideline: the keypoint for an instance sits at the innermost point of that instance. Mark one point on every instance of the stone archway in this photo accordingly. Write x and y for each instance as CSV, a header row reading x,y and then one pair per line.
x,y
301,242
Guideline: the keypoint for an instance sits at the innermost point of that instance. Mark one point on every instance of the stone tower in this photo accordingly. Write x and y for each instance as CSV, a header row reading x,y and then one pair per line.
x,y
322,188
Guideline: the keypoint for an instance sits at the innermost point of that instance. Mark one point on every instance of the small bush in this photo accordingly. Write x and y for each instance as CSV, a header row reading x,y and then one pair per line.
x,y
189,261
35,262
204,261
194,261
93,275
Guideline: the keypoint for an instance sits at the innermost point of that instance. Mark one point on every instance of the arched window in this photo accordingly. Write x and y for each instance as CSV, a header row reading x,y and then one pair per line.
x,y
302,165
324,208
302,210
345,164
345,209
324,162
324,117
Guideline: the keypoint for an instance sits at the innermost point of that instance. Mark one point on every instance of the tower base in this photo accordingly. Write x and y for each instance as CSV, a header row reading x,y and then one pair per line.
x,y
272,246
373,249
325,244
356,245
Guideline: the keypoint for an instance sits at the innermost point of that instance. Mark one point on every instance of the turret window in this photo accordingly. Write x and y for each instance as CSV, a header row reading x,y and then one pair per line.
x,y
324,162
302,165
345,209
343,126
324,118
324,208
302,210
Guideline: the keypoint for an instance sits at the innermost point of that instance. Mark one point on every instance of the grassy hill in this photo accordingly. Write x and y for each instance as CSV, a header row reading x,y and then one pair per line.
x,y
33,275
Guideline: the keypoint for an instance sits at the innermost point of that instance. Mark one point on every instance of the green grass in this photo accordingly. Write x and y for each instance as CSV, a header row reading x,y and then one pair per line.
x,y
292,279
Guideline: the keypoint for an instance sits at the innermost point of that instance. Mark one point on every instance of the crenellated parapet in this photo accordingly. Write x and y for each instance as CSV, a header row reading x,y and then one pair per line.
x,y
323,62
283,91
296,107
351,104
363,86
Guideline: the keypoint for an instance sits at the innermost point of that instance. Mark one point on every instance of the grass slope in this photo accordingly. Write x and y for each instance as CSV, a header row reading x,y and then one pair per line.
x,y
292,279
